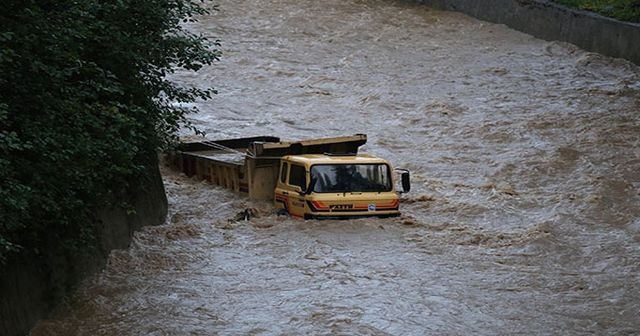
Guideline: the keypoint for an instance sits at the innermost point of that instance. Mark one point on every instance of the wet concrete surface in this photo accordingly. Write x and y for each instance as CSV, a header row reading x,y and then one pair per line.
x,y
524,216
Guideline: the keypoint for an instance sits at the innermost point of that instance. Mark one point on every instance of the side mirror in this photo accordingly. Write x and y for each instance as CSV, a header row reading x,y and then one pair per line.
x,y
406,180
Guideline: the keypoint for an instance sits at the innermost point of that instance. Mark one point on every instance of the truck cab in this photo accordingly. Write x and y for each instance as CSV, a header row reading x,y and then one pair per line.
x,y
337,185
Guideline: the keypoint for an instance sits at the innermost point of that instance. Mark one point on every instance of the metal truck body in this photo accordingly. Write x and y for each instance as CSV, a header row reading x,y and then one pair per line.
x,y
318,178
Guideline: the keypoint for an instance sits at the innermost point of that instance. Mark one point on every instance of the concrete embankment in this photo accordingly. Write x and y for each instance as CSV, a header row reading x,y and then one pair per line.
x,y
32,285
549,21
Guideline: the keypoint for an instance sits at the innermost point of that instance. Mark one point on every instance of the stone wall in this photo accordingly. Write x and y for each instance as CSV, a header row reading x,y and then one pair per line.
x,y
549,21
32,285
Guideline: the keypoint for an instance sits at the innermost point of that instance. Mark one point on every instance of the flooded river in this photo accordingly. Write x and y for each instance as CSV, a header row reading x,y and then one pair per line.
x,y
524,217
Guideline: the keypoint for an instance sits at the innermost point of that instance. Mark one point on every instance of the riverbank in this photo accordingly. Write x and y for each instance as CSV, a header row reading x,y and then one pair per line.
x,y
553,22
32,285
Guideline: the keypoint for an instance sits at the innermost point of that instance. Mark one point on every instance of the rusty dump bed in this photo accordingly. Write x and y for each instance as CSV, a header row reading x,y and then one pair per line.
x,y
250,165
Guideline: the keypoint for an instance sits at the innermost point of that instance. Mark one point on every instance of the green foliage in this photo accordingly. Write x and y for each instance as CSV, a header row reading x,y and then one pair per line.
x,y
624,10
83,100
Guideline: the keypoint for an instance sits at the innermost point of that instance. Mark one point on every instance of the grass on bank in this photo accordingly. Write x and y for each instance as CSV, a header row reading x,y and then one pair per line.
x,y
623,10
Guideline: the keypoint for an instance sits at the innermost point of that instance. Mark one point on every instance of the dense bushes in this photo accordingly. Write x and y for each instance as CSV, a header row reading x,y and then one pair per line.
x,y
624,10
83,101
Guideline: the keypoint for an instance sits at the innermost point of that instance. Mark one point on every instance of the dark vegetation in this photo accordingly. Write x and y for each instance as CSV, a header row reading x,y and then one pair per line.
x,y
83,103
623,10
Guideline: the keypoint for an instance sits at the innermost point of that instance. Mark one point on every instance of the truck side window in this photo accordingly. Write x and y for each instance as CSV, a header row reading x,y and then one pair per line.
x,y
283,172
297,177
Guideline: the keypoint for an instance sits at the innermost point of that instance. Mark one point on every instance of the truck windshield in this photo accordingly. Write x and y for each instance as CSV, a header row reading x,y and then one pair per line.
x,y
350,178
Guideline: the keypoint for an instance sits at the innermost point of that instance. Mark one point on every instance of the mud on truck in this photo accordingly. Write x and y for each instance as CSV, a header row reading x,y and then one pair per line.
x,y
316,178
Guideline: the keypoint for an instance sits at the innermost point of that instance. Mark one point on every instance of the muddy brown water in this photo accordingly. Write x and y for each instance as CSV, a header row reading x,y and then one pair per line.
x,y
524,216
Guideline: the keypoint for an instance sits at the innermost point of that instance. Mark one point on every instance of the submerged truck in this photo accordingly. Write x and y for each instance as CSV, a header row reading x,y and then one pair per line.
x,y
316,178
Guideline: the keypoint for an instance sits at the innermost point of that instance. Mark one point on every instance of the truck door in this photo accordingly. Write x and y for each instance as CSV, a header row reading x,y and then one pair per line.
x,y
290,188
281,192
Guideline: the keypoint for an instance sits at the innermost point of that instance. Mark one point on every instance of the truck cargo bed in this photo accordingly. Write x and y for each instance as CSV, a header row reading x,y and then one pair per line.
x,y
250,165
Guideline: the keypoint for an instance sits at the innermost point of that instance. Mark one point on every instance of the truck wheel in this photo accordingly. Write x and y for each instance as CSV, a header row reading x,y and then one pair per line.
x,y
282,212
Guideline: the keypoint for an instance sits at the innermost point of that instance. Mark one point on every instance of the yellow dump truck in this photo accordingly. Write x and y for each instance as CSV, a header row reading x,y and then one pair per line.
x,y
317,178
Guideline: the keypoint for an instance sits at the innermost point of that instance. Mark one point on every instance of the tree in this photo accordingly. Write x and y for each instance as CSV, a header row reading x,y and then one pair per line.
x,y
84,98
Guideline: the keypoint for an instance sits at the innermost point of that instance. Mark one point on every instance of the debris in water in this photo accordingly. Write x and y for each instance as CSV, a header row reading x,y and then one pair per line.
x,y
245,215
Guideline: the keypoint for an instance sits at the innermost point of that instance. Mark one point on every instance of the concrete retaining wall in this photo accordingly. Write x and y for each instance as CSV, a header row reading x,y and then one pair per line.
x,y
550,21
31,286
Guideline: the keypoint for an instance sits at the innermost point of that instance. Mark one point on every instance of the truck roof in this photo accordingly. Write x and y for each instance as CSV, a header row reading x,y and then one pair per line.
x,y
311,159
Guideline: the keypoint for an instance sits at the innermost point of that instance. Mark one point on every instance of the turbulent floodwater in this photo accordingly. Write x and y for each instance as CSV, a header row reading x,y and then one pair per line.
x,y
524,216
